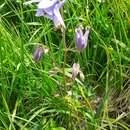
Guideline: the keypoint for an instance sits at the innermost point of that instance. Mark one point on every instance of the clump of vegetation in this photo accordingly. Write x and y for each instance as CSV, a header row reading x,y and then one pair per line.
x,y
64,65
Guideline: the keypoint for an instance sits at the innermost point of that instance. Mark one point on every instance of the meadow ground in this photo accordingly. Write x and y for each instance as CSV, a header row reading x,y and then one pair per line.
x,y
41,94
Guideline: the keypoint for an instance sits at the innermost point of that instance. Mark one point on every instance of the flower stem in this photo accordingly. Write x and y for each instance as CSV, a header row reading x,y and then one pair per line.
x,y
65,55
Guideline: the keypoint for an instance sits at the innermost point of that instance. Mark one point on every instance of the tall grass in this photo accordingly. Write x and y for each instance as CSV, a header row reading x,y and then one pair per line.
x,y
33,95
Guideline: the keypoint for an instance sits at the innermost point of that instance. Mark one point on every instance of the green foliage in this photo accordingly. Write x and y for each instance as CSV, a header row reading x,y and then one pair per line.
x,y
42,95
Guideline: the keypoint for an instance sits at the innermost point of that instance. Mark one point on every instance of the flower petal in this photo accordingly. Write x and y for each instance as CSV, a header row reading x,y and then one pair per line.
x,y
57,19
81,40
33,1
79,32
86,35
40,12
75,70
48,7
47,3
38,53
61,3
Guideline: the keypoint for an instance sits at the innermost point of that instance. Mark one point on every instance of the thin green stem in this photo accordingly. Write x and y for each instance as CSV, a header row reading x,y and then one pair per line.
x,y
65,56
65,52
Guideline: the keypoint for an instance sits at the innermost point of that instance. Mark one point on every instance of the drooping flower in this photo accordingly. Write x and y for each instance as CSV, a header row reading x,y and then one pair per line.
x,y
40,49
75,70
81,39
51,9
38,53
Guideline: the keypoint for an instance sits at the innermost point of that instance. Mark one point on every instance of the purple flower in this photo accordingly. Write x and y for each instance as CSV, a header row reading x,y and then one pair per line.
x,y
38,53
81,40
50,9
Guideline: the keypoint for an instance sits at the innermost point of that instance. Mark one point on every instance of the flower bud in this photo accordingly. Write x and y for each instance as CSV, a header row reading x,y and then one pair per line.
x,y
75,70
38,53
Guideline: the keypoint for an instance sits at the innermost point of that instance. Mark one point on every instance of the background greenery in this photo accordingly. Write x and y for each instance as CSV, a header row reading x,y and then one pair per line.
x,y
33,95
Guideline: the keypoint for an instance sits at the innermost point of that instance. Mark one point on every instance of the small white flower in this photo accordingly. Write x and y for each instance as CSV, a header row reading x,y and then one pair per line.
x,y
69,93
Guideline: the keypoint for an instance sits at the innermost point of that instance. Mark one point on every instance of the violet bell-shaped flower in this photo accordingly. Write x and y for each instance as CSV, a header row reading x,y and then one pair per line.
x,y
40,49
50,9
81,39
38,53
